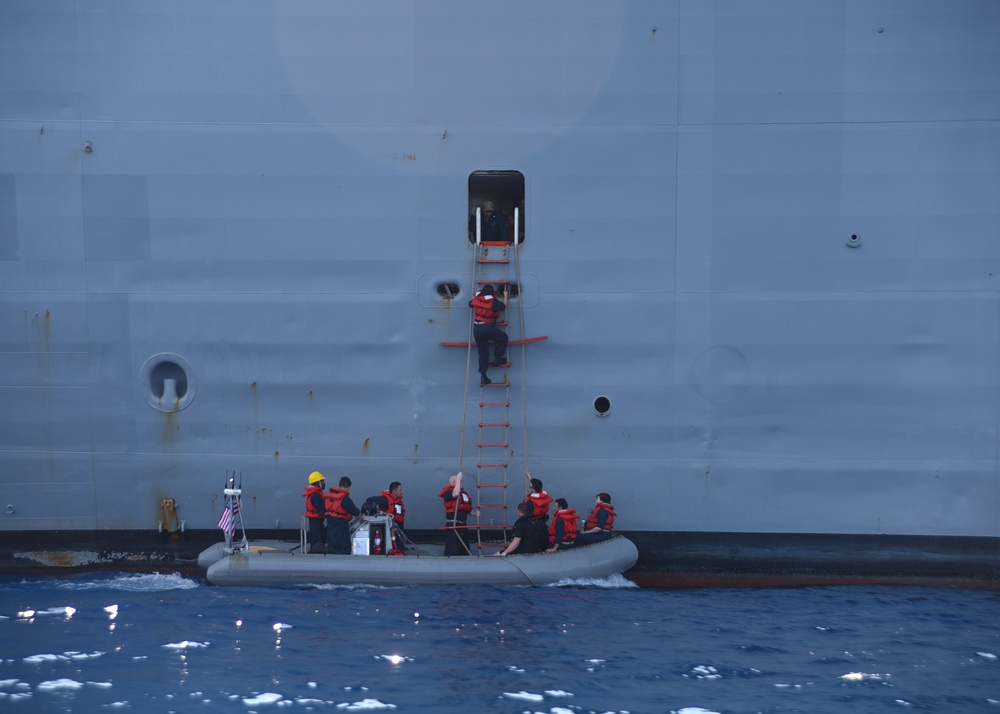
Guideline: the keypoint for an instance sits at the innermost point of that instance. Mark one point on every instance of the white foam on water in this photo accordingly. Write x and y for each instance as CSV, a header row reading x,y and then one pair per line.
x,y
14,697
64,657
40,658
83,655
861,677
394,658
67,612
264,698
611,582
185,645
524,696
133,582
365,705
704,671
57,685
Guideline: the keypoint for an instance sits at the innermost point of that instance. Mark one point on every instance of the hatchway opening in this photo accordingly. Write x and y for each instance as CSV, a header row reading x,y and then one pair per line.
x,y
602,405
496,206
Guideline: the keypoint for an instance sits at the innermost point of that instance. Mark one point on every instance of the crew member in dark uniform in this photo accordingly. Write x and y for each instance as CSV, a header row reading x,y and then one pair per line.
x,y
538,499
562,532
315,512
457,507
394,505
340,509
600,523
494,226
527,537
486,308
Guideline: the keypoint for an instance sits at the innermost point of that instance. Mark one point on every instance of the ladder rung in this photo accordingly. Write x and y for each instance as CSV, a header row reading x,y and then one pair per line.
x,y
492,485
485,527
505,445
501,465
498,546
491,260
496,384
494,243
499,423
499,505
494,404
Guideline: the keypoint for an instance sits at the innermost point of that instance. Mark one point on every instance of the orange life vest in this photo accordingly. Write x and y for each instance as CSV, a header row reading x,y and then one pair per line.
x,y
482,308
396,507
568,517
592,518
335,503
464,501
311,511
540,502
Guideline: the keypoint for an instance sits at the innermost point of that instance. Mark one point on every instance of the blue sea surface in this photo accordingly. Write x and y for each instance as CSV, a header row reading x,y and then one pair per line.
x,y
168,643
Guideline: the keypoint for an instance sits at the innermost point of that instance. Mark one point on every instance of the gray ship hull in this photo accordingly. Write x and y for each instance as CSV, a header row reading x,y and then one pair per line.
x,y
760,238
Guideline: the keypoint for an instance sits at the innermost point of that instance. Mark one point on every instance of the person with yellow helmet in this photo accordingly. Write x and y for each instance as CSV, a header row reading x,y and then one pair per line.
x,y
316,512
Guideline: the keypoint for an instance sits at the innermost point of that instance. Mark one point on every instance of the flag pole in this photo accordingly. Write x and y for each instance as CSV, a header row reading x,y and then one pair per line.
x,y
245,545
229,506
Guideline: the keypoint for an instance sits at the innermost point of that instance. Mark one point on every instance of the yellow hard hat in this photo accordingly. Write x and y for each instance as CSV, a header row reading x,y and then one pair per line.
x,y
315,477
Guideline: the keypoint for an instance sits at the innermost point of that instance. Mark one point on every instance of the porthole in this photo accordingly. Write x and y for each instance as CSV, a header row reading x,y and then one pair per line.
x,y
602,406
167,382
513,289
854,241
448,290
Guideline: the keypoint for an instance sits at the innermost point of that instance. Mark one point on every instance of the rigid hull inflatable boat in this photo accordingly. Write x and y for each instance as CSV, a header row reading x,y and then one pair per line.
x,y
277,563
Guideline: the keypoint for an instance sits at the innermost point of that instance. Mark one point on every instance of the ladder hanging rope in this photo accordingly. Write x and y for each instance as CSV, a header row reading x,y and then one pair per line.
x,y
468,354
524,351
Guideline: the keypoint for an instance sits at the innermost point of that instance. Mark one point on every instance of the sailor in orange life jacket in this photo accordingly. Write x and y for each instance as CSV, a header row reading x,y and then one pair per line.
x,y
315,512
600,523
457,507
394,505
538,499
340,509
562,532
486,307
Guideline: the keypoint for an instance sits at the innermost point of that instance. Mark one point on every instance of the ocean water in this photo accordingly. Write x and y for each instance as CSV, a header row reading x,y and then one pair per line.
x,y
149,643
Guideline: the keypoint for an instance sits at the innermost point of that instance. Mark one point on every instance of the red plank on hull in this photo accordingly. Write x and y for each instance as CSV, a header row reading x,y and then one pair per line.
x,y
512,342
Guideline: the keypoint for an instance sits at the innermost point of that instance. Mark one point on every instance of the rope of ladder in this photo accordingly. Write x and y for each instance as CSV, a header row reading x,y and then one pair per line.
x,y
524,352
468,362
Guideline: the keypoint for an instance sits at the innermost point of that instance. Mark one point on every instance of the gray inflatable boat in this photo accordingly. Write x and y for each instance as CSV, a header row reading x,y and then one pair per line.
x,y
276,563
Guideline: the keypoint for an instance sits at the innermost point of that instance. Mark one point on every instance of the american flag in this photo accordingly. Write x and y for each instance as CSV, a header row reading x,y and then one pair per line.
x,y
227,522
